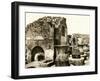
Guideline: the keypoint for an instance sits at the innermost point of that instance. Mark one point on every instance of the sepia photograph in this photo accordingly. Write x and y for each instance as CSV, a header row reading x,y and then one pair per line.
x,y
50,40
56,40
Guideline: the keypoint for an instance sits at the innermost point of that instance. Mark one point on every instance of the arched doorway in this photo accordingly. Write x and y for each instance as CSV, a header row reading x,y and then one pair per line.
x,y
35,51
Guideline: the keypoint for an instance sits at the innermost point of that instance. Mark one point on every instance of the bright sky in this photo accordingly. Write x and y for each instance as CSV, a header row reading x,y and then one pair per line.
x,y
75,23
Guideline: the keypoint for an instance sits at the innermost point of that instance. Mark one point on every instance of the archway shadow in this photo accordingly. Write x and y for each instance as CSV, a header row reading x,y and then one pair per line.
x,y
36,50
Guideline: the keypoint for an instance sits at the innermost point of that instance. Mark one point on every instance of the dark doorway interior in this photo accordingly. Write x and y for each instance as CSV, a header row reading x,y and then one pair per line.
x,y
36,50
40,57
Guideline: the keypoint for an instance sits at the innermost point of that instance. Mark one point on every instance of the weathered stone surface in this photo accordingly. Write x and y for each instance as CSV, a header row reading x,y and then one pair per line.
x,y
41,33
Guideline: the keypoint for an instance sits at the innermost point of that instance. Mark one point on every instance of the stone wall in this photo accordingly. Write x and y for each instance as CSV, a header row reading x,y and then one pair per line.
x,y
41,33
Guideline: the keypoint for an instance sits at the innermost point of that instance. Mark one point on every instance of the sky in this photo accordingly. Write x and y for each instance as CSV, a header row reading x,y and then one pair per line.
x,y
75,23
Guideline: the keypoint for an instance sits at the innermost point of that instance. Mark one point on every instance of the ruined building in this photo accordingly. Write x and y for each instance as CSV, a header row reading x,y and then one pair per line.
x,y
46,35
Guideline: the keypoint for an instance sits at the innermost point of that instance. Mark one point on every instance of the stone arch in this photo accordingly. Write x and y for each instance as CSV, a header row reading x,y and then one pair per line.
x,y
36,50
